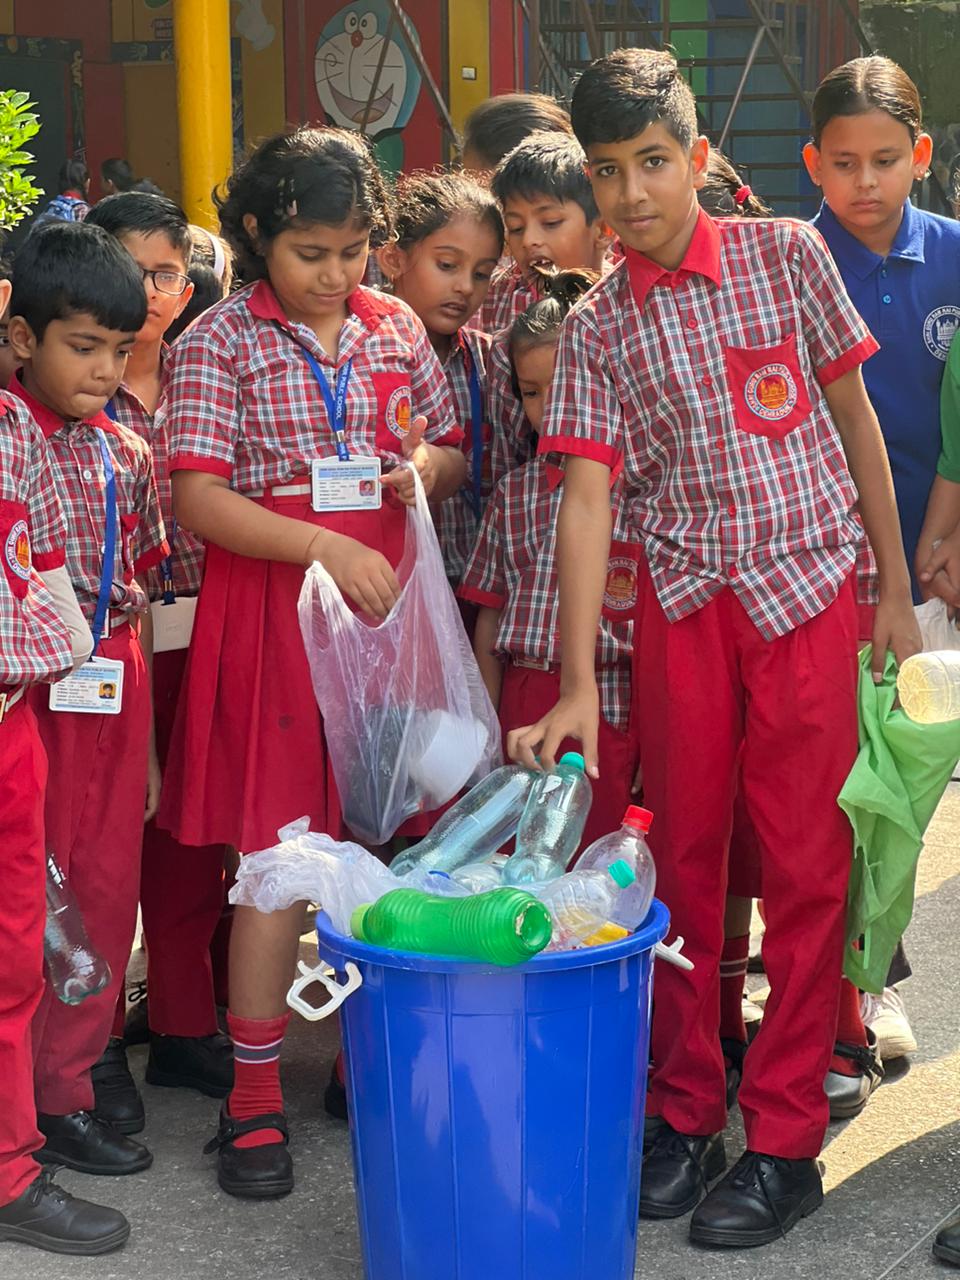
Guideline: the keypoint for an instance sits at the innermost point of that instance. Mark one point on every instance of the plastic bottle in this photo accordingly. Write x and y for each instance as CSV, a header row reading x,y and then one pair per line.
x,y
929,686
582,904
73,967
505,927
475,827
627,845
481,877
552,824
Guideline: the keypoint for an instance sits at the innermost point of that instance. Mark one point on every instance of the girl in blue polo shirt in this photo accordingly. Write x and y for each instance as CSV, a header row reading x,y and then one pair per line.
x,y
901,266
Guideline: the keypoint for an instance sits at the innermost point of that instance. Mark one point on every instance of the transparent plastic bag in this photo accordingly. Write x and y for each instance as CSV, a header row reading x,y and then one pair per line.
x,y
407,718
937,629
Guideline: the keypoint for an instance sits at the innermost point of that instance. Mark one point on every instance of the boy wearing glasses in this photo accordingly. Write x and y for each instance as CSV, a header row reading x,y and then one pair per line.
x,y
181,889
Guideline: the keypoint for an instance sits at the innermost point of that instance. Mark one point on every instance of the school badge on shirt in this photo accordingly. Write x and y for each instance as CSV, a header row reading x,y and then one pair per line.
x,y
398,412
771,392
16,550
620,593
940,329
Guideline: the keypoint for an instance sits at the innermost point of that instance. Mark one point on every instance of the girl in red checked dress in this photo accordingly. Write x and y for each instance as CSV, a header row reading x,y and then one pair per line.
x,y
303,368
512,576
449,236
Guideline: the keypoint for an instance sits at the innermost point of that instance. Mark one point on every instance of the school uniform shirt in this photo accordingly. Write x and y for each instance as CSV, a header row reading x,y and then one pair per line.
x,y
77,469
514,569
248,406
187,549
34,643
708,381
456,518
910,300
509,296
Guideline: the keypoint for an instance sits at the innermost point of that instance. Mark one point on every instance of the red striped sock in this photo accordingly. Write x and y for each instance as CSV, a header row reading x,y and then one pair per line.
x,y
256,1065
850,1028
733,972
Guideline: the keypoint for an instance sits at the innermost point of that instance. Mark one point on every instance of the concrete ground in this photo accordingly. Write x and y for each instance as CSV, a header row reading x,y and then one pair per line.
x,y
892,1175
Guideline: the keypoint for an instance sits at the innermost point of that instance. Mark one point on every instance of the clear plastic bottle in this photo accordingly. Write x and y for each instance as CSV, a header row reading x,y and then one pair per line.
x,y
552,824
73,967
582,903
929,686
481,877
479,824
627,845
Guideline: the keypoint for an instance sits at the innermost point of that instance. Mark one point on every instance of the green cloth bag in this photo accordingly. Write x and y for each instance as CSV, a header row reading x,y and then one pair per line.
x,y
901,771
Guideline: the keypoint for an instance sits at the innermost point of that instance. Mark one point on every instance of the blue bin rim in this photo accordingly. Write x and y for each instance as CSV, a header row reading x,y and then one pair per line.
x,y
333,946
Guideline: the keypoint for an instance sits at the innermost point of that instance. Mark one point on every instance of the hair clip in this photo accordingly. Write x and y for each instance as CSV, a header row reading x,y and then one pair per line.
x,y
742,194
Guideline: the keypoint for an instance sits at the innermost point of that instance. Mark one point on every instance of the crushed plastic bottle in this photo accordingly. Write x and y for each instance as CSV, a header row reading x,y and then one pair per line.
x,y
481,877
75,970
627,845
479,824
552,825
504,927
582,903
929,686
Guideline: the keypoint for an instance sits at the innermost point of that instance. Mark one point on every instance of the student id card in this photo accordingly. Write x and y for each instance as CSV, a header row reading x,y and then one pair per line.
x,y
173,623
352,485
96,688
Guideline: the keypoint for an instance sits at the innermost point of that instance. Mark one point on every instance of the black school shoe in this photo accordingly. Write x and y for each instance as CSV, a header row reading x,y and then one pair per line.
x,y
677,1171
204,1063
758,1201
83,1142
946,1247
848,1095
253,1173
48,1217
116,1096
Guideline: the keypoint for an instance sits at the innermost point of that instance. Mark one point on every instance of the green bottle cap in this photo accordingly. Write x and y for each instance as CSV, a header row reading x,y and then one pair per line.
x,y
357,919
575,760
621,871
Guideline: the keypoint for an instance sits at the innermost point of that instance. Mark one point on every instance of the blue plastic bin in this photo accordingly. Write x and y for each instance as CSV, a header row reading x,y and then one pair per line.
x,y
497,1114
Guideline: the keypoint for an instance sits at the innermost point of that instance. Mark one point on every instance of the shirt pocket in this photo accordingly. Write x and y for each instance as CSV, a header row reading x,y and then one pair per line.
x,y
768,387
620,590
394,399
15,547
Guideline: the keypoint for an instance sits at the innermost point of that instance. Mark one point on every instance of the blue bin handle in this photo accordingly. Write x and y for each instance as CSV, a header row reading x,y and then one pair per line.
x,y
323,974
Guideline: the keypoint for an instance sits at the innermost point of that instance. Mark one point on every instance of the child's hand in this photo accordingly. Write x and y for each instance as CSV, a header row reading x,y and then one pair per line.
x,y
422,457
894,628
154,783
940,575
361,573
576,715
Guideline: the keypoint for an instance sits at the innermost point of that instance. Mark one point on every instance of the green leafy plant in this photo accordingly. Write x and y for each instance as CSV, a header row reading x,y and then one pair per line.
x,y
18,124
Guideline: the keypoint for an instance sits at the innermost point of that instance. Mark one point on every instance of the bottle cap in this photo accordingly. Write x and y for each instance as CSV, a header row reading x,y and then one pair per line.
x,y
639,819
357,919
622,873
575,760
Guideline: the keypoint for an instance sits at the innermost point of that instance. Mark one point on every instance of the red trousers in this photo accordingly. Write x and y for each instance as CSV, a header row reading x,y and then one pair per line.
x,y
181,896
23,777
526,696
722,703
94,823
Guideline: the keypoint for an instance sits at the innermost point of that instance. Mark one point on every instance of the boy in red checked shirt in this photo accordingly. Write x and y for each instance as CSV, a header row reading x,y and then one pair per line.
x,y
721,361
77,304
181,888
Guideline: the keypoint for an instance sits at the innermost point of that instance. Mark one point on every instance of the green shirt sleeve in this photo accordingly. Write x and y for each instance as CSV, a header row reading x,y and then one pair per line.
x,y
949,464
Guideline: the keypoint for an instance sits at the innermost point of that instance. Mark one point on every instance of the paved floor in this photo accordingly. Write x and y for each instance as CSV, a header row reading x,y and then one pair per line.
x,y
893,1174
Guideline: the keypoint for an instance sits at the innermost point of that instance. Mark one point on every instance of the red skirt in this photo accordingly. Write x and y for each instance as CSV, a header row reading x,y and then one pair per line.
x,y
248,752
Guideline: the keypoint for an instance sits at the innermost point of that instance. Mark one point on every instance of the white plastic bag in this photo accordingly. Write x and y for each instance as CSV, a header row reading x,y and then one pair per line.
x,y
937,630
407,718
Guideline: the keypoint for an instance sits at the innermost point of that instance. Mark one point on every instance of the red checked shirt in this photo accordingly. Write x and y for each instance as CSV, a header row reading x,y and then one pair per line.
x,y
34,644
509,296
77,468
514,569
243,403
709,380
455,519
187,553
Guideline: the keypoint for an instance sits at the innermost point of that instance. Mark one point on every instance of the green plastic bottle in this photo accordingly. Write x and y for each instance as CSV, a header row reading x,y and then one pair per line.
x,y
505,926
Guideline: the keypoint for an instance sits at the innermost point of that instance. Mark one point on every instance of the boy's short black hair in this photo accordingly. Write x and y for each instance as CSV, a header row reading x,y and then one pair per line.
x,y
118,171
71,268
144,213
619,96
546,164
499,124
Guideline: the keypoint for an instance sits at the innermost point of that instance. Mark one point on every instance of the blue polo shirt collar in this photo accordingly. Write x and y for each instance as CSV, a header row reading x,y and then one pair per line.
x,y
855,257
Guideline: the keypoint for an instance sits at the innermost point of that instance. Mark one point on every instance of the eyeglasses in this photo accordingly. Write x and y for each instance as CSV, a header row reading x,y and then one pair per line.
x,y
170,282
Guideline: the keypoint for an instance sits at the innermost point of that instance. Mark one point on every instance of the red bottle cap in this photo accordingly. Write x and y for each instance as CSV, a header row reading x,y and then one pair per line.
x,y
639,819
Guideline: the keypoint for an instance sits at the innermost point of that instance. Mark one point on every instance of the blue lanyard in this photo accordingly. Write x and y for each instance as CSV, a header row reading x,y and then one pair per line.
x,y
336,402
476,431
166,564
109,539
110,409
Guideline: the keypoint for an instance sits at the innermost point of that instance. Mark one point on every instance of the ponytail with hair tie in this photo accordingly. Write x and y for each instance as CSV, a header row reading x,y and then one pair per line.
x,y
742,195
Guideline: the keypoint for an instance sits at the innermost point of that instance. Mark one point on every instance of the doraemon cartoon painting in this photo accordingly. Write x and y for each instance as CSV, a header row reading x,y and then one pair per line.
x,y
348,53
